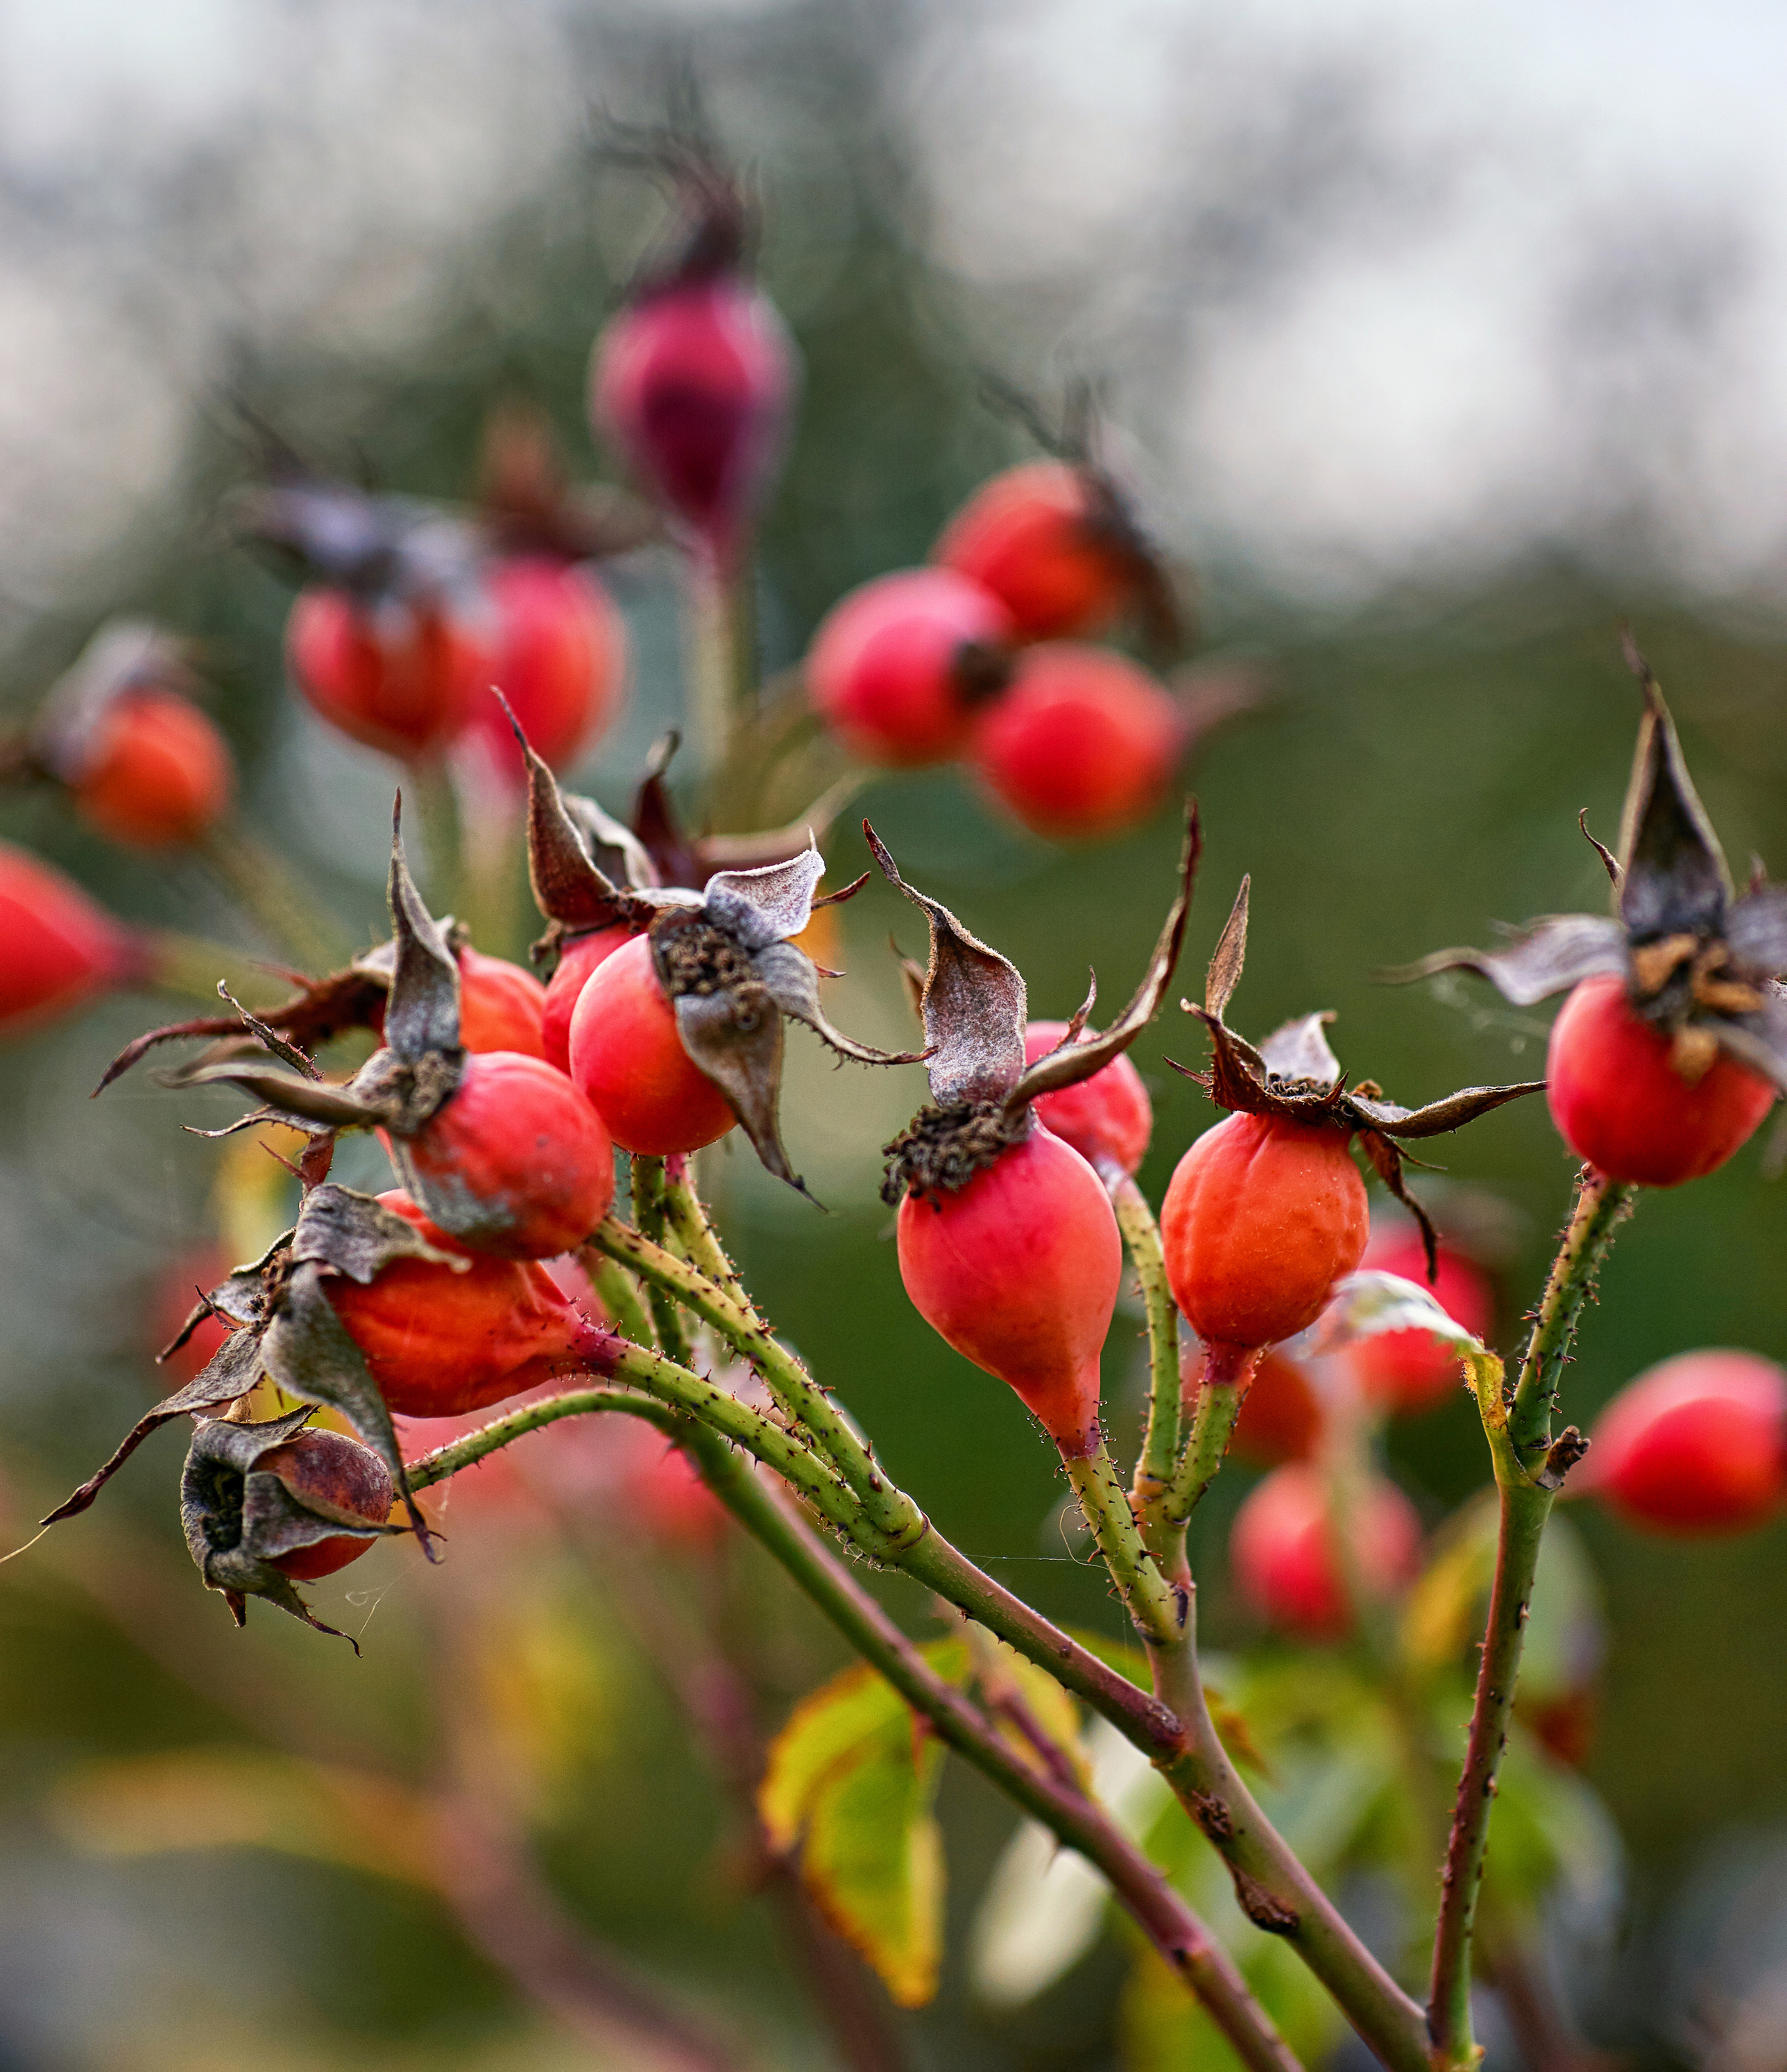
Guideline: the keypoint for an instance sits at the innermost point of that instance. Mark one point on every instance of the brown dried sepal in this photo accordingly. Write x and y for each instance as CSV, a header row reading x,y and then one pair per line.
x,y
941,1149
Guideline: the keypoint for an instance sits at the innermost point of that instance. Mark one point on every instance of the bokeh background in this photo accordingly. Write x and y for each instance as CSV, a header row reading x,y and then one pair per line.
x,y
1438,341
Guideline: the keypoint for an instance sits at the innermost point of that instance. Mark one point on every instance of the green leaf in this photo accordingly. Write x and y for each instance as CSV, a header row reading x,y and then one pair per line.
x,y
847,1794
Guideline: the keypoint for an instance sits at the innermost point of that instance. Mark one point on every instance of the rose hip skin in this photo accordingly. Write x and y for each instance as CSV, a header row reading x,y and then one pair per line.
x,y
1019,1270
523,1154
57,948
1407,1371
1260,1218
628,1060
1032,537
1620,1103
576,961
337,1476
1108,1119
396,676
560,659
441,1342
501,1006
158,773
1282,1551
1083,743
1696,1446
895,666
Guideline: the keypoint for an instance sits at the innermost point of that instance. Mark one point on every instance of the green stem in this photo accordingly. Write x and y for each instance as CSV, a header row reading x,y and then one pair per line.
x,y
1519,1433
649,1213
722,671
437,808
1227,1374
688,1218
466,1452
1152,1604
619,1296
1160,1453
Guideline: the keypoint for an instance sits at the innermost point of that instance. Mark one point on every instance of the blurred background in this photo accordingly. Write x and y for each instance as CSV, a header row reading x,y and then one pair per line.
x,y
1439,341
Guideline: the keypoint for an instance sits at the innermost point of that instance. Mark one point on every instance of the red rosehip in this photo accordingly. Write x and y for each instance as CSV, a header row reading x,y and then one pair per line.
x,y
1696,1445
627,1059
501,1006
337,1477
1282,1551
1108,1119
1261,1218
1407,1371
156,773
692,383
561,661
579,958
401,676
441,1342
1040,538
1619,1103
1019,1270
897,667
521,1149
57,948
1081,744
1281,1415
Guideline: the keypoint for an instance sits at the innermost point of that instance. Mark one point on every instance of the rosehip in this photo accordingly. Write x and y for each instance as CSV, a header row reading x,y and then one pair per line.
x,y
1051,543
561,661
579,957
1019,1270
628,1058
501,1006
521,1153
897,667
155,772
398,675
57,948
1081,744
1619,1102
1261,1218
1281,1549
1696,1445
1407,1371
441,1342
1108,1119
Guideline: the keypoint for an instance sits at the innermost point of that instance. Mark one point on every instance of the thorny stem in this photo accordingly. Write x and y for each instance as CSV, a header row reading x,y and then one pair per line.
x,y
1519,1432
688,1218
619,1296
1160,1451
649,1212
1156,1611
1227,1374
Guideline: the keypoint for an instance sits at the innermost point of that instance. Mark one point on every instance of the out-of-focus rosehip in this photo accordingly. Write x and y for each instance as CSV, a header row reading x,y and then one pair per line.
x,y
402,677
560,659
57,948
1671,1048
1055,543
693,380
627,1059
440,1342
1281,1416
1108,1119
1282,1550
154,771
1621,1102
1408,1372
263,1506
501,1006
1081,743
1697,1445
578,959
1266,1211
899,667
664,1490
1007,1242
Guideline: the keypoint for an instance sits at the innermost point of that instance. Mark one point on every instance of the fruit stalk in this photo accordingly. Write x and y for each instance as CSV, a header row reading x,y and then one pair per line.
x,y
649,1214
1519,1433
1157,1611
1160,1453
1228,1372
688,1218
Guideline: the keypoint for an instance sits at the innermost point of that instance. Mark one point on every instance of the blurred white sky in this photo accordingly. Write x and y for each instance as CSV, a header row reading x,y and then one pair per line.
x,y
1387,288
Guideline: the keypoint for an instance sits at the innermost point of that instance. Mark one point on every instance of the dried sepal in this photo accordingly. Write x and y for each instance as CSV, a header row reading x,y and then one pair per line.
x,y
1675,878
1550,956
321,1009
1230,956
581,864
421,1014
1298,1052
1075,1059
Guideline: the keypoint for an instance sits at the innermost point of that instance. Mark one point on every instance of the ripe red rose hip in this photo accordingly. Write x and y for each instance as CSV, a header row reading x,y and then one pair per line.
x,y
441,1342
154,772
898,668
1408,1372
627,1059
1261,1218
501,1006
1083,742
57,948
559,659
1282,1550
579,957
400,674
1697,1445
1619,1102
1108,1119
1051,541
